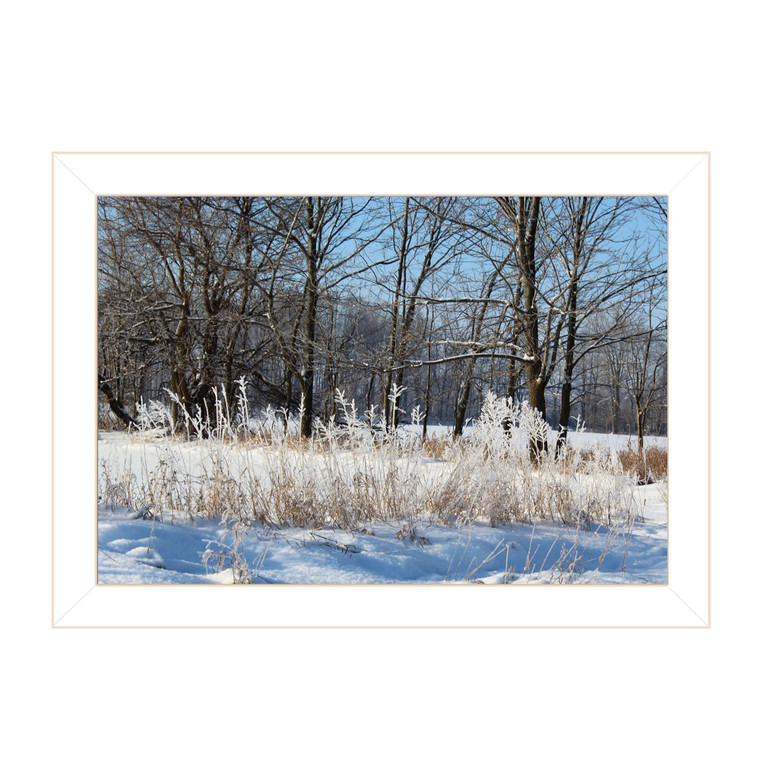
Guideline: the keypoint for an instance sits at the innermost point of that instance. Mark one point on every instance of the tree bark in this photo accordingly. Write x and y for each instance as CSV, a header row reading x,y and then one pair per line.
x,y
117,407
390,413
527,223
310,321
569,369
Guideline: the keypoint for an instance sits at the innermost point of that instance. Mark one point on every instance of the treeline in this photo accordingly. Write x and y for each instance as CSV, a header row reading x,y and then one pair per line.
x,y
557,300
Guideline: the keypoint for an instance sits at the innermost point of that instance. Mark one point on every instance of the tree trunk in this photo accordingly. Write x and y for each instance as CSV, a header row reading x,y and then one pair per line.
x,y
526,249
310,321
463,396
117,407
427,399
567,385
578,222
368,397
390,413
564,415
641,419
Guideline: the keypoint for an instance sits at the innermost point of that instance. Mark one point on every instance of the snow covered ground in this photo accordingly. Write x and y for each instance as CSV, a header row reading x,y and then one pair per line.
x,y
138,547
585,440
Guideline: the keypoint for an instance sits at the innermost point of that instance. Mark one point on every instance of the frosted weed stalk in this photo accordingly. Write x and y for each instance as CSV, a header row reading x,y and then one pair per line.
x,y
229,551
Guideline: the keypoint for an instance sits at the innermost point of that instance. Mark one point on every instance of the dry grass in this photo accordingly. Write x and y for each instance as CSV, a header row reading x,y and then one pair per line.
x,y
436,448
106,418
351,474
649,467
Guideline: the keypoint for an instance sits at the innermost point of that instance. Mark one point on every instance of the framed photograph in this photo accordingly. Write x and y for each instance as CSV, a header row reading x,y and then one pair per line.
x,y
381,389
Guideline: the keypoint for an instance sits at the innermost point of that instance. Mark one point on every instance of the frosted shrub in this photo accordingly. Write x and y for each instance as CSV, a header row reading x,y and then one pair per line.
x,y
154,416
506,429
535,428
488,434
493,477
347,430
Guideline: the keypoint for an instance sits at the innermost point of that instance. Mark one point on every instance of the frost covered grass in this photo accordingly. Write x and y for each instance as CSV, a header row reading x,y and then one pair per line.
x,y
353,471
249,485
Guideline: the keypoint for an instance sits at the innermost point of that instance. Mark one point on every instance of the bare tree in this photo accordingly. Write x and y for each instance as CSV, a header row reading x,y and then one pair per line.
x,y
532,296
582,234
319,244
423,243
646,365
175,278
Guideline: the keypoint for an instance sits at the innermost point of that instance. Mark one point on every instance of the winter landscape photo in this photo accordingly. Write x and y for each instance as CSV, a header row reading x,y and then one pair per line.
x,y
376,390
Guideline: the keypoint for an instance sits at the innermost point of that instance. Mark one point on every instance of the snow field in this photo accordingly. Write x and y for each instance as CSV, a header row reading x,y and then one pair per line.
x,y
347,508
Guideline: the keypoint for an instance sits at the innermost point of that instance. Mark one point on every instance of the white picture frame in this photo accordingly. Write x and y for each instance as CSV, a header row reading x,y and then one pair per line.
x,y
79,178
